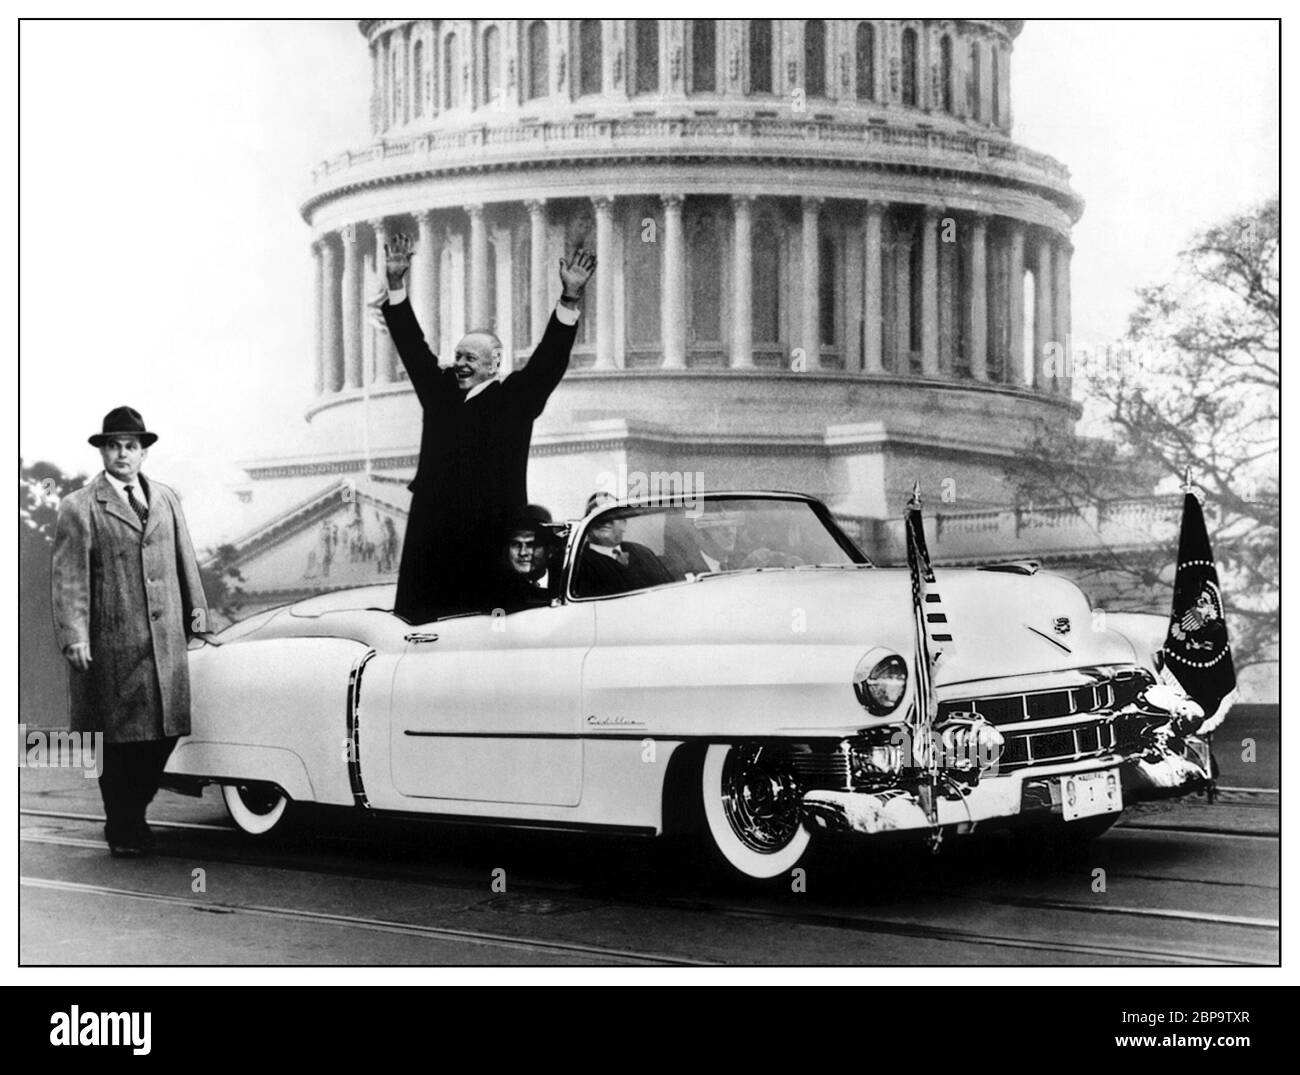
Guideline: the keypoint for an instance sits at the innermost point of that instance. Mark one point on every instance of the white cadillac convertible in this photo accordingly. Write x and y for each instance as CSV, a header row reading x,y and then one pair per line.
x,y
762,691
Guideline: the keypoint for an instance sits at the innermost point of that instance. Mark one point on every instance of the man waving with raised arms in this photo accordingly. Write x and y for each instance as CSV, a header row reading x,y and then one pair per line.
x,y
472,473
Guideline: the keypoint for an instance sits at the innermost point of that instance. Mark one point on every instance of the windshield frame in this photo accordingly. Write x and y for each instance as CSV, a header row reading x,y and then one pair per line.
x,y
579,533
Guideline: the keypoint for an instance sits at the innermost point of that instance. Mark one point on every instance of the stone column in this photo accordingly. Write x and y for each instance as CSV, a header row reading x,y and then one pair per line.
x,y
385,355
873,359
422,280
1015,370
605,268
384,112
479,315
505,309
673,310
930,291
812,326
319,329
978,298
1044,329
1062,330
903,301
539,308
332,351
351,307
742,282
986,83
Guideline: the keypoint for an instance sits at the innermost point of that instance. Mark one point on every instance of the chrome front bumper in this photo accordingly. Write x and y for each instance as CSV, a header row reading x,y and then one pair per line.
x,y
1171,768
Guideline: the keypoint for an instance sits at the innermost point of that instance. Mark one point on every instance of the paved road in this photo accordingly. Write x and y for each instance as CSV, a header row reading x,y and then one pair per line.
x,y
1184,882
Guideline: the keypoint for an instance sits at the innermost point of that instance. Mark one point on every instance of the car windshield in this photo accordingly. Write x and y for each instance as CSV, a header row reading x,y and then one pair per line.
x,y
631,548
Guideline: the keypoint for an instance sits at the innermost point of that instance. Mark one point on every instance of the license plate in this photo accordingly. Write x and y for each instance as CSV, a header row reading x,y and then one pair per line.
x,y
1089,794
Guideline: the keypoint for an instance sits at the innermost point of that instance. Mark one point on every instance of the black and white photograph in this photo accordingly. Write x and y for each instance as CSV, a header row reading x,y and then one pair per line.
x,y
649,493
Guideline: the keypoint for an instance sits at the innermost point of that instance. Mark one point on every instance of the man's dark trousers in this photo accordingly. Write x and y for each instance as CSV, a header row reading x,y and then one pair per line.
x,y
128,781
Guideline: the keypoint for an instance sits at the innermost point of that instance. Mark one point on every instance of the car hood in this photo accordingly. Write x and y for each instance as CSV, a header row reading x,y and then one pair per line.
x,y
1002,624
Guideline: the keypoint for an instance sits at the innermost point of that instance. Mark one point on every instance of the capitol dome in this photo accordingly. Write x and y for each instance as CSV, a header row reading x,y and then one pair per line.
x,y
823,263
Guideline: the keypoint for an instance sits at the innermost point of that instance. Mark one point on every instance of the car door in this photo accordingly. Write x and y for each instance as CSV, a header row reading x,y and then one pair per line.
x,y
487,708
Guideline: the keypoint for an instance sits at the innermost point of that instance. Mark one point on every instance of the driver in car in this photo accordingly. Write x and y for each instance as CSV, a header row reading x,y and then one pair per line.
x,y
712,543
707,546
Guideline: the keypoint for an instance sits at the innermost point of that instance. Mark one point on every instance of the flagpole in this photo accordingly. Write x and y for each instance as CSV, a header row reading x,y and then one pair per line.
x,y
924,708
1189,489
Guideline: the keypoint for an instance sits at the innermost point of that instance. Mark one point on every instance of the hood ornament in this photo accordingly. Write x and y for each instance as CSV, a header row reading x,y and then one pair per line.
x,y
1048,638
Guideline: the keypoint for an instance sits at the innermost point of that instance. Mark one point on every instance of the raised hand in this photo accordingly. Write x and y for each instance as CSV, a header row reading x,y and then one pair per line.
x,y
78,655
575,273
398,252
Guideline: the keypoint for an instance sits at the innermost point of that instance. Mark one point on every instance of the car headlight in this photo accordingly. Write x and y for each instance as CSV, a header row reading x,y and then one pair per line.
x,y
880,682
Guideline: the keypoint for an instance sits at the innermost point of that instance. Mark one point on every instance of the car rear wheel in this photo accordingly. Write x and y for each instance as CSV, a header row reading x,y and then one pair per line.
x,y
255,808
751,809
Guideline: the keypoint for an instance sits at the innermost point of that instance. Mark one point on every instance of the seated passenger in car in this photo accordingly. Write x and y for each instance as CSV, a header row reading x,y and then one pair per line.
x,y
609,564
525,560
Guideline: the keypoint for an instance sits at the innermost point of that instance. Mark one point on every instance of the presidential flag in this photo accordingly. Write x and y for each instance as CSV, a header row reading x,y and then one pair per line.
x,y
1196,652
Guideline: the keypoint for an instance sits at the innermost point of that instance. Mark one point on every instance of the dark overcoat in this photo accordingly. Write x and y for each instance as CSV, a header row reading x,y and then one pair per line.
x,y
600,575
472,472
131,591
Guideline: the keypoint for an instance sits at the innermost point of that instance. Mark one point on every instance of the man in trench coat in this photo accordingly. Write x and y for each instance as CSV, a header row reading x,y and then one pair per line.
x,y
127,598
473,465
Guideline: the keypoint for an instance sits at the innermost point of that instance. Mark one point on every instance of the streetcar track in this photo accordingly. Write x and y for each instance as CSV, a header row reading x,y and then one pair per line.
x,y
436,881
1190,881
64,815
1197,830
1034,902
376,925
922,931
832,920
1190,830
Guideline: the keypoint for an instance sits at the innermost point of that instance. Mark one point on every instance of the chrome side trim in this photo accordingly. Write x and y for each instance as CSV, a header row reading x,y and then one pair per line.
x,y
354,730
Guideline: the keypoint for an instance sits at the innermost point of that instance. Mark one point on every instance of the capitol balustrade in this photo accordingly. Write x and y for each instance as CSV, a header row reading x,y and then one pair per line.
x,y
1058,532
802,139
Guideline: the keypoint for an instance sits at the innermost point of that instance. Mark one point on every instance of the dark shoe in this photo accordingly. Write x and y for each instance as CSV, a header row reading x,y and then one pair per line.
x,y
130,849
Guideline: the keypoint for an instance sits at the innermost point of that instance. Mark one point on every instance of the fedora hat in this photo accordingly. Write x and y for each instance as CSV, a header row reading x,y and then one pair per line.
x,y
123,422
532,517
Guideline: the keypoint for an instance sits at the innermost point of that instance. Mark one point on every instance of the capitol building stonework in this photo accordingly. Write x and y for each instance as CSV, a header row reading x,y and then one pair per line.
x,y
823,265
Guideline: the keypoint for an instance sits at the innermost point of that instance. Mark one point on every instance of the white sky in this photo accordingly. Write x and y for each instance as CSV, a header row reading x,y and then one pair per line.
x,y
163,262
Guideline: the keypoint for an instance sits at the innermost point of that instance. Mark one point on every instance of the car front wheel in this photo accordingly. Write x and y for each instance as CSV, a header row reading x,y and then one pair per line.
x,y
751,809
255,808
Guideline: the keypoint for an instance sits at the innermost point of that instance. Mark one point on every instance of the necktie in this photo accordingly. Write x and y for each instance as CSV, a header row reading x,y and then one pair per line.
x,y
620,555
142,513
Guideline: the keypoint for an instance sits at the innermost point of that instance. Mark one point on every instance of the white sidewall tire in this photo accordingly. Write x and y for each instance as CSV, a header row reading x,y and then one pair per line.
x,y
751,863
249,821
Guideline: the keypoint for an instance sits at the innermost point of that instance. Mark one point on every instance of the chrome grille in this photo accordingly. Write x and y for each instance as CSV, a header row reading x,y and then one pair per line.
x,y
1035,705
820,768
1056,745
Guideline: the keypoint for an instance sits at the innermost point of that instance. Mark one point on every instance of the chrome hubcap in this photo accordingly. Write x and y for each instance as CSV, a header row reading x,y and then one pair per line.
x,y
761,799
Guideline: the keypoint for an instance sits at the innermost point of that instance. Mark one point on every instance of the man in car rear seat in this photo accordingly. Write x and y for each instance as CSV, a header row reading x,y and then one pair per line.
x,y
525,561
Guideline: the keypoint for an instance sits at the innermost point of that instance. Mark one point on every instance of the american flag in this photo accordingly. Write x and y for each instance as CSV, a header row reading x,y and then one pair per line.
x,y
932,635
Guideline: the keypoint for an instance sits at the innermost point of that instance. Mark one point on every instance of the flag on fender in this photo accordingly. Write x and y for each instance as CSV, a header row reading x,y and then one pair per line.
x,y
1196,651
925,593
932,635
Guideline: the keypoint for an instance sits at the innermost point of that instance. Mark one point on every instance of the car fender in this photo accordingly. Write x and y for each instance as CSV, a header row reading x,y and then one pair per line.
x,y
277,710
